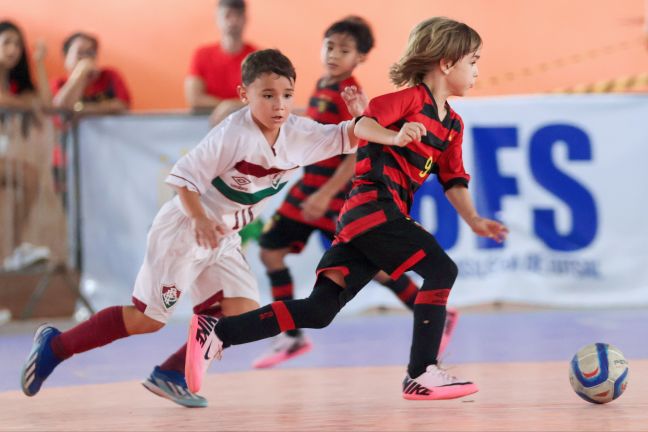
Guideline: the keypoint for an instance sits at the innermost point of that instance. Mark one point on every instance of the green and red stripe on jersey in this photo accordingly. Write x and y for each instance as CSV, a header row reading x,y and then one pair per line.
x,y
234,192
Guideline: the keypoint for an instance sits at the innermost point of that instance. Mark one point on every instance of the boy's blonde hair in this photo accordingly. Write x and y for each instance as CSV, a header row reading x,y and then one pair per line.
x,y
432,40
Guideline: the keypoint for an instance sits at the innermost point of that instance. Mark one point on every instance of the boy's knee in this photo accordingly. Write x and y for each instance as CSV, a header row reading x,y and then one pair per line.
x,y
148,325
324,304
452,271
441,270
137,322
273,259
322,316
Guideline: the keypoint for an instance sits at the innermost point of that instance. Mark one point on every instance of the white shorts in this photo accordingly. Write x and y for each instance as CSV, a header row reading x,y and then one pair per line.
x,y
175,266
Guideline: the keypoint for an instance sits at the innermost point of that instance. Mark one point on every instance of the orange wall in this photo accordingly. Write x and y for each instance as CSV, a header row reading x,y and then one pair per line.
x,y
530,46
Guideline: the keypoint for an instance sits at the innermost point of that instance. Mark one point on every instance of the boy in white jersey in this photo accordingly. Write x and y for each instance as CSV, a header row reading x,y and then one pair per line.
x,y
193,246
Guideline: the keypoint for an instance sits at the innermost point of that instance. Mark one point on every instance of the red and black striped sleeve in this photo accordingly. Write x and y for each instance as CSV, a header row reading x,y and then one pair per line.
x,y
389,108
451,168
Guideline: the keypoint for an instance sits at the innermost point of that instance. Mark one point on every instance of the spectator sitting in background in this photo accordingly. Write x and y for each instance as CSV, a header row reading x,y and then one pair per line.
x,y
88,88
215,70
19,176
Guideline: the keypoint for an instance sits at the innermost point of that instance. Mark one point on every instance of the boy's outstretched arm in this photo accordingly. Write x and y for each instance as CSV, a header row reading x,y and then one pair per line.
x,y
460,199
369,129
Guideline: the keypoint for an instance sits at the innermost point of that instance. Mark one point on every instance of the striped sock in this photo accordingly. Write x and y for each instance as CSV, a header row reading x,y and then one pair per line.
x,y
405,288
282,289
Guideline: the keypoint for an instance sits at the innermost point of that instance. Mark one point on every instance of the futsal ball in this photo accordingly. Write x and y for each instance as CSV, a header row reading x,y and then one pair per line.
x,y
598,373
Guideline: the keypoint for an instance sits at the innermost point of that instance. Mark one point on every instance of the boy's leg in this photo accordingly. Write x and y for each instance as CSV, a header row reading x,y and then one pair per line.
x,y
412,248
207,337
225,307
176,361
281,237
168,379
342,273
406,290
452,316
51,346
224,286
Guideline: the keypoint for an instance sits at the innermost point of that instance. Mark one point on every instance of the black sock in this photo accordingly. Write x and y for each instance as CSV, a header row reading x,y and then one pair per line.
x,y
428,329
315,311
439,273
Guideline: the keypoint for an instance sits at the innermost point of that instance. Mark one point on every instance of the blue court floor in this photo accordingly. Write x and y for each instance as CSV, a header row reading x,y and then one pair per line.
x,y
382,340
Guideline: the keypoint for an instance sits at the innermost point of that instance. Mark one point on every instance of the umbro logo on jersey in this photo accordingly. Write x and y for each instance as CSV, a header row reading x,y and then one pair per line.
x,y
170,295
412,387
241,181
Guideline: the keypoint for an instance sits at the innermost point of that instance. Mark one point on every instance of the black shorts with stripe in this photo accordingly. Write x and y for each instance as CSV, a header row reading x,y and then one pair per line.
x,y
283,232
394,247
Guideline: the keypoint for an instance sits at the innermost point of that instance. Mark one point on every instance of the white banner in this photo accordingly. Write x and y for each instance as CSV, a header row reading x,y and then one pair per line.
x,y
565,173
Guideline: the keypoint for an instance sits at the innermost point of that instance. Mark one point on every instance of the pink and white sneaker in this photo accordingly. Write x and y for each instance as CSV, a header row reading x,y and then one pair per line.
x,y
284,347
202,347
436,384
452,316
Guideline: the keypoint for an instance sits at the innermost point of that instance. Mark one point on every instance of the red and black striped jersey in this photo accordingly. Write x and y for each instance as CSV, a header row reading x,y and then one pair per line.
x,y
386,177
325,106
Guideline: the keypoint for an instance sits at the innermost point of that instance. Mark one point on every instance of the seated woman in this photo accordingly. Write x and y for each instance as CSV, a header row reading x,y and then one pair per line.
x,y
19,174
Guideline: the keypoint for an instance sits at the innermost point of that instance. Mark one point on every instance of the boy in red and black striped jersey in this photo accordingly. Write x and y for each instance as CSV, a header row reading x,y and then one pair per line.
x,y
405,136
315,201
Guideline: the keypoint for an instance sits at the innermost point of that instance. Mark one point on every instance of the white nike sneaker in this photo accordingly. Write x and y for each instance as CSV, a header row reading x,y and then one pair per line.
x,y
202,347
435,384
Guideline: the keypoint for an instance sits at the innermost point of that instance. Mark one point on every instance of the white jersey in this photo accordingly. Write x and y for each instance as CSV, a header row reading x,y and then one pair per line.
x,y
236,171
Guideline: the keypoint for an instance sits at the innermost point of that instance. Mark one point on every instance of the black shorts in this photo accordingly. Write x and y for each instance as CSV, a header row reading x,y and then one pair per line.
x,y
394,247
281,232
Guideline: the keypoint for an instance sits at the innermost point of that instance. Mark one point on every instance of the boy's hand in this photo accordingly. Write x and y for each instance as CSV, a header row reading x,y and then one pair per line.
x,y
315,206
206,231
489,228
412,131
355,100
